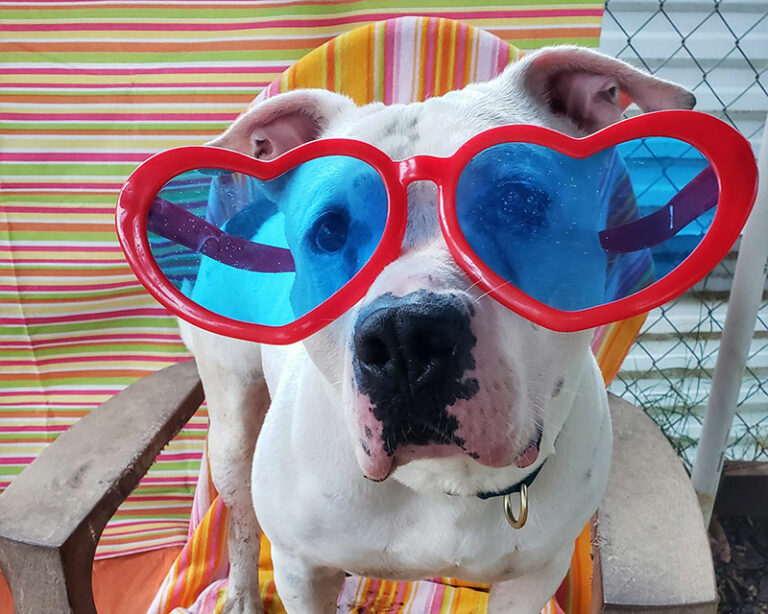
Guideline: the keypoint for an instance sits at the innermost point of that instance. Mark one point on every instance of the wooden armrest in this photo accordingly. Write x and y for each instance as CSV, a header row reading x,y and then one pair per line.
x,y
652,550
53,513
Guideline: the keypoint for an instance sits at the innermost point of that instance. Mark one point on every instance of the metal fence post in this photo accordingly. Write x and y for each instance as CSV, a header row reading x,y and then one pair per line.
x,y
743,305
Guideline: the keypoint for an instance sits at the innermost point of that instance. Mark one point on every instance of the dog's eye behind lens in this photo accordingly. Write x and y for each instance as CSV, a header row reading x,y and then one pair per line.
x,y
523,205
329,233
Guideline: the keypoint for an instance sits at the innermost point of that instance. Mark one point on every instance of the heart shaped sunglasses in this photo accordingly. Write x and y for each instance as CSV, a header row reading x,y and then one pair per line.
x,y
570,233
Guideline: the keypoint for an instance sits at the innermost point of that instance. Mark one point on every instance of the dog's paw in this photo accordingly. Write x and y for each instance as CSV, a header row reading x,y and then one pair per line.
x,y
243,604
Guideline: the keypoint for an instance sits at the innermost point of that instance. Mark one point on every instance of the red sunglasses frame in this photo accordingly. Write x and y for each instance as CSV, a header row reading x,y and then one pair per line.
x,y
729,154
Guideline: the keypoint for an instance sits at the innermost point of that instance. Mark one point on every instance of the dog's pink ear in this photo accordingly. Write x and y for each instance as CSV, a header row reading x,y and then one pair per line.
x,y
593,89
270,128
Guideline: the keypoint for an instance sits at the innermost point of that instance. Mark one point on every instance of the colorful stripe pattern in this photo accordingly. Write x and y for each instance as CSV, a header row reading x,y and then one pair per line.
x,y
401,56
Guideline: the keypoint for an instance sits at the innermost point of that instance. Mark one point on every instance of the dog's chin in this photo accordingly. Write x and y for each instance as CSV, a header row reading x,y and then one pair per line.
x,y
460,475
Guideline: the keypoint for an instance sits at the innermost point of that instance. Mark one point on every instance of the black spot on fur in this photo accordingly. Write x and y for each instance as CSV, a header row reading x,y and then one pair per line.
x,y
558,387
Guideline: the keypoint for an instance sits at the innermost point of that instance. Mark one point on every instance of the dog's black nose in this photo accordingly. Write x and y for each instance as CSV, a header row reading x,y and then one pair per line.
x,y
410,355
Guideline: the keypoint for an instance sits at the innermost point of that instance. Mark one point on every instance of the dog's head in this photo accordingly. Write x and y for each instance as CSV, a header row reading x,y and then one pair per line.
x,y
438,380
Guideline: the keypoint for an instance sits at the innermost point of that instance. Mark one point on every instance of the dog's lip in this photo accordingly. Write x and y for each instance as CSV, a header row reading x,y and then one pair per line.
x,y
530,454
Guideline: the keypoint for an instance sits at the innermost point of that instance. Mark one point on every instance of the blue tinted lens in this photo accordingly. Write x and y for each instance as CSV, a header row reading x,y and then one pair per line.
x,y
268,252
577,233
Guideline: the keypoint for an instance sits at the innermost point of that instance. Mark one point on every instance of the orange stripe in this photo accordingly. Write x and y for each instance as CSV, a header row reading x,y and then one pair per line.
x,y
330,51
56,227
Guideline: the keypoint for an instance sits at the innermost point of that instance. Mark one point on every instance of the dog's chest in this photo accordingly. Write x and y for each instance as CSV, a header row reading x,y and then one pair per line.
x,y
310,497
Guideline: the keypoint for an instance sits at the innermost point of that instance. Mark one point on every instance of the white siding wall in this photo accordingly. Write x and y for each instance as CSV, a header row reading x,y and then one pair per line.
x,y
687,41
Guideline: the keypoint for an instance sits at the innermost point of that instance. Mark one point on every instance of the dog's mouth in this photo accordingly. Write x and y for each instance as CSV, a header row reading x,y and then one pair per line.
x,y
530,453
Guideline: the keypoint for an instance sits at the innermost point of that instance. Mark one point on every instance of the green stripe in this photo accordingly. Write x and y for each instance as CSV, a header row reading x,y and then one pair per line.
x,y
78,237
68,296
68,169
81,381
114,324
57,198
537,43
116,350
47,437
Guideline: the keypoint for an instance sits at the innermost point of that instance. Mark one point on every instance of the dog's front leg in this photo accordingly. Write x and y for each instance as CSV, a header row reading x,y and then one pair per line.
x,y
529,593
305,588
238,400
236,415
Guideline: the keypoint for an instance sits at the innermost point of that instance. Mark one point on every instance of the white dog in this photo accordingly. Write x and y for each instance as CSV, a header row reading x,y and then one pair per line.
x,y
384,426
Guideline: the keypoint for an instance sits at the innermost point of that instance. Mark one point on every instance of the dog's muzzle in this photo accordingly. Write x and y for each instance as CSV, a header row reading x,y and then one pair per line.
x,y
410,356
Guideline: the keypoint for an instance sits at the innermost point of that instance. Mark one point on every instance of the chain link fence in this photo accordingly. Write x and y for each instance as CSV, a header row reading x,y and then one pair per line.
x,y
719,50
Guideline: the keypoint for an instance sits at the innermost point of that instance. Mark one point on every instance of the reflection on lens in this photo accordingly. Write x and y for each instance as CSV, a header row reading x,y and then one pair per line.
x,y
575,233
268,252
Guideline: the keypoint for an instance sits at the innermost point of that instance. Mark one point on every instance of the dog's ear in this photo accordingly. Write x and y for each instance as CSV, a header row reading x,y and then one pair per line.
x,y
270,128
593,89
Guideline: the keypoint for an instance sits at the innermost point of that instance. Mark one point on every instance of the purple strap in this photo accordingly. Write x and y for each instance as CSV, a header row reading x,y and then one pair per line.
x,y
180,226
698,196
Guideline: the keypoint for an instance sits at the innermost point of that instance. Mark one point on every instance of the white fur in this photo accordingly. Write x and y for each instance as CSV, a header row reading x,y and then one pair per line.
x,y
307,486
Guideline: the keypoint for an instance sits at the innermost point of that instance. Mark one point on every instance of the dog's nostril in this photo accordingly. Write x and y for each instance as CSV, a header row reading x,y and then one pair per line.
x,y
373,351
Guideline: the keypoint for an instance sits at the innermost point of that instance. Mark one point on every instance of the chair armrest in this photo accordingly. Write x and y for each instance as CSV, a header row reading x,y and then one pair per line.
x,y
652,550
53,513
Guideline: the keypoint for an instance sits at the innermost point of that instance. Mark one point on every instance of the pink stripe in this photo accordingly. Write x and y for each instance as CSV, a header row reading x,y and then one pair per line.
x,y
74,157
177,85
502,58
290,23
437,599
86,317
57,248
461,58
59,211
139,70
70,288
77,359
429,76
183,481
55,210
58,428
141,531
136,117
140,523
92,339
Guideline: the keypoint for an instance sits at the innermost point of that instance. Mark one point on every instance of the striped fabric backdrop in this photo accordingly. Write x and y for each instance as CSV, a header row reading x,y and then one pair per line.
x,y
88,89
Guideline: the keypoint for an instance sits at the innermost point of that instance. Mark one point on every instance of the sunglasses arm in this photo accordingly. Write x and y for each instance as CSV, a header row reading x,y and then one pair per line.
x,y
698,196
184,228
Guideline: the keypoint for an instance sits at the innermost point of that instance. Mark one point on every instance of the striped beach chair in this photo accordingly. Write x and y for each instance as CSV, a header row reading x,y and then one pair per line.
x,y
89,90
